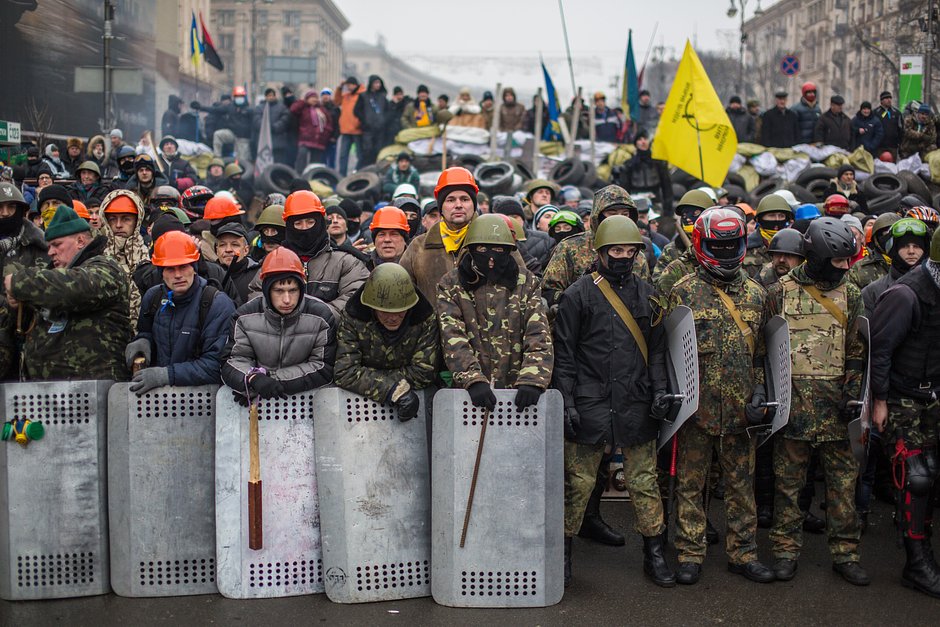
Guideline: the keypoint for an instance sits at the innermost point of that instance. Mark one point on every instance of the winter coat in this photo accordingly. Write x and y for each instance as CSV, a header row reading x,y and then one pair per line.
x,y
853,193
834,129
170,122
371,363
177,168
806,118
874,132
742,123
494,334
642,173
893,125
349,124
80,315
464,113
129,252
90,195
606,125
314,125
144,193
372,108
412,114
584,121
58,168
237,119
426,260
26,249
280,121
918,138
779,128
393,119
146,275
238,277
297,349
511,116
395,177
539,245
873,291
647,117
191,355
599,368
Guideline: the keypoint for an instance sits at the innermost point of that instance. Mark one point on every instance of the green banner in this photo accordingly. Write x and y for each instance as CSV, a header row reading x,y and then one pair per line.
x,y
911,80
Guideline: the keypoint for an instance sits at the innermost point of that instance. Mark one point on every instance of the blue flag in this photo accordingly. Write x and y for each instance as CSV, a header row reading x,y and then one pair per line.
x,y
552,132
630,93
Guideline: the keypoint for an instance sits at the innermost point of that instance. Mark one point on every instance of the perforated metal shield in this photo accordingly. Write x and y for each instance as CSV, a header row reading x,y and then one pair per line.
x,y
777,339
861,426
161,478
289,564
373,480
683,363
514,550
53,496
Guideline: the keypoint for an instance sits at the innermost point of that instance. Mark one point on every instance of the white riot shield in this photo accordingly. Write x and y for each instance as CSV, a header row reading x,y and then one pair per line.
x,y
289,563
161,480
373,477
683,365
861,426
777,376
53,497
514,550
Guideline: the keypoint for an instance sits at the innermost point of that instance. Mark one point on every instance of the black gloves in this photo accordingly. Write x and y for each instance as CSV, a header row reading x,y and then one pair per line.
x,y
755,414
661,405
407,406
240,398
527,396
266,387
481,395
572,423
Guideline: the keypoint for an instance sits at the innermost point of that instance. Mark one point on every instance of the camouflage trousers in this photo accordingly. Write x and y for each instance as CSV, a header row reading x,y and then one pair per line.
x,y
916,421
639,470
736,459
791,459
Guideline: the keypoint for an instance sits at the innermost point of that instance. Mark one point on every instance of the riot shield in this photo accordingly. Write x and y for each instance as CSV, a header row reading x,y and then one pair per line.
x,y
161,478
513,554
861,426
776,377
373,477
289,562
682,367
53,497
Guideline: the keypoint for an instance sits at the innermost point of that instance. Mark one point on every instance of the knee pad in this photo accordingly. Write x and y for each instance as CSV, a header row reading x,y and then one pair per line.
x,y
919,480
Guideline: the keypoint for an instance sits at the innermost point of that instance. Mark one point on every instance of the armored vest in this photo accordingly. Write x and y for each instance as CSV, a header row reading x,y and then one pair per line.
x,y
817,339
915,364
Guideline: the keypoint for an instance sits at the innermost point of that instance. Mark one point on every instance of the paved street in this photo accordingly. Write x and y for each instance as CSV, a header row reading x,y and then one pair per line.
x,y
608,589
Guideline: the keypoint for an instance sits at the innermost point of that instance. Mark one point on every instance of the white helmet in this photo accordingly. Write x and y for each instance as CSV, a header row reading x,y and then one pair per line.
x,y
405,189
710,191
788,196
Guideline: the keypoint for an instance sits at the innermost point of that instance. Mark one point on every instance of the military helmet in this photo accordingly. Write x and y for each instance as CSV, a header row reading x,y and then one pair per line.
x,y
271,216
788,241
617,230
390,289
91,166
772,203
11,193
489,229
829,238
233,169
692,200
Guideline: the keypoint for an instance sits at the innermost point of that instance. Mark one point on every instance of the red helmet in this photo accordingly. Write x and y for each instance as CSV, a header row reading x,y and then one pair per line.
x,y
719,240
836,205
238,90
808,86
886,156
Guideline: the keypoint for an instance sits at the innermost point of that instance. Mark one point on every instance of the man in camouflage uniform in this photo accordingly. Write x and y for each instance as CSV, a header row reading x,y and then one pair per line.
x,y
729,320
786,253
822,308
123,212
876,262
76,308
773,214
609,379
905,380
387,342
690,207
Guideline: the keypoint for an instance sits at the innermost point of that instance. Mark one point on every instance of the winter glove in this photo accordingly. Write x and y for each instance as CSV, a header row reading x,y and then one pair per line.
x,y
572,423
527,396
267,387
135,348
149,379
481,395
407,406
661,405
755,414
239,398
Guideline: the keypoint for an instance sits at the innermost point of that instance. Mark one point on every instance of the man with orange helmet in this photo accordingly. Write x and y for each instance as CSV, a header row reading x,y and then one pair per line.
x,y
124,213
220,210
390,231
183,323
284,341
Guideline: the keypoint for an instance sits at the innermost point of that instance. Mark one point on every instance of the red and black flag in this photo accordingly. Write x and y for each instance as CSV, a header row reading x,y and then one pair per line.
x,y
208,48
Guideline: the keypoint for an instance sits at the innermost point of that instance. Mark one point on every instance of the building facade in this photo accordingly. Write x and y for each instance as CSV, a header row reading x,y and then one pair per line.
x,y
364,59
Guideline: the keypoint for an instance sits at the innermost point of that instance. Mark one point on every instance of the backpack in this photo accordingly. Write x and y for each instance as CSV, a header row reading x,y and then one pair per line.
x,y
205,302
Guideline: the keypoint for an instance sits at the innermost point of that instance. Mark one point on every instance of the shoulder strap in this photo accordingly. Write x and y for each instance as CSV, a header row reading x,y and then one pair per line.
x,y
623,312
205,302
827,302
736,316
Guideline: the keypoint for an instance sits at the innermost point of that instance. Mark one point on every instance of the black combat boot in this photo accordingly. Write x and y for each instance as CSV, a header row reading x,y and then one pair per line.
x,y
567,561
918,572
654,562
593,526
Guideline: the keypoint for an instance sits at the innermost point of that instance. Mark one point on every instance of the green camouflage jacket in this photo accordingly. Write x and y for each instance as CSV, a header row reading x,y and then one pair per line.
x,y
681,266
672,251
728,371
371,361
871,268
494,334
81,317
754,260
767,275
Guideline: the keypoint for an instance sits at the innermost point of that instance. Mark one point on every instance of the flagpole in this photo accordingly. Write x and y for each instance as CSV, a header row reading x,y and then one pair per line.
x,y
698,138
564,28
650,46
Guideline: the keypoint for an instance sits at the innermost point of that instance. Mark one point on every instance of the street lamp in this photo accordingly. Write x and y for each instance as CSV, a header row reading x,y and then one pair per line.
x,y
736,7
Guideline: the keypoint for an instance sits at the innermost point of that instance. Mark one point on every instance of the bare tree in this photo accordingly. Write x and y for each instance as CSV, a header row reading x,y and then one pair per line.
x,y
38,117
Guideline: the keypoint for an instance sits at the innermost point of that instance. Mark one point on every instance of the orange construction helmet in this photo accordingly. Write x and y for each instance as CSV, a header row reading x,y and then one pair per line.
x,y
81,209
238,90
121,204
301,203
174,248
868,229
455,177
747,209
389,217
220,207
281,260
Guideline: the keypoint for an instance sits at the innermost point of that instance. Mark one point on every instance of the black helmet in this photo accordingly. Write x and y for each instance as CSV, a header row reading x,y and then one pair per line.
x,y
787,241
829,238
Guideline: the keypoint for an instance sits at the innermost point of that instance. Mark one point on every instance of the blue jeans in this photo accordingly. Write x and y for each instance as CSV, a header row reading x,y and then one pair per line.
x,y
346,143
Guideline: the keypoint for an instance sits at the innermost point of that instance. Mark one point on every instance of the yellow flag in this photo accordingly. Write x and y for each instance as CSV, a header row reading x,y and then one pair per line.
x,y
694,114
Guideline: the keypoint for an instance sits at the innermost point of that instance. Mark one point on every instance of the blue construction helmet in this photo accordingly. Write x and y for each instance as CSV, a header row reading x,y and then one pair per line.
x,y
806,211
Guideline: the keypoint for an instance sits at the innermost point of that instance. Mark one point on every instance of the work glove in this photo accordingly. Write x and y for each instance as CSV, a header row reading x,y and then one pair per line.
x,y
240,398
149,379
135,348
527,396
755,414
407,406
572,423
267,387
481,395
661,405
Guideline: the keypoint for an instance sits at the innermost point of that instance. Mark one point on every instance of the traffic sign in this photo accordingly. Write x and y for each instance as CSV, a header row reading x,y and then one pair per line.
x,y
790,65
9,132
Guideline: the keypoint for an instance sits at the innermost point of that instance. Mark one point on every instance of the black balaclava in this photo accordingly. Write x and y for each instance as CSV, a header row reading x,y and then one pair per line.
x,y
277,238
474,269
823,270
306,243
615,270
12,226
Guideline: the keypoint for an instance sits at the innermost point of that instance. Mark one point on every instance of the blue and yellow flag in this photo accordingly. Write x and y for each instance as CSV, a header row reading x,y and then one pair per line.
x,y
630,93
552,132
195,47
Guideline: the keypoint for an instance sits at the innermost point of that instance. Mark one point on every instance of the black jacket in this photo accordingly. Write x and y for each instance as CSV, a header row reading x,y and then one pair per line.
x,y
170,123
743,124
893,125
372,108
539,246
281,121
146,275
599,368
642,173
239,276
834,129
178,168
779,128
